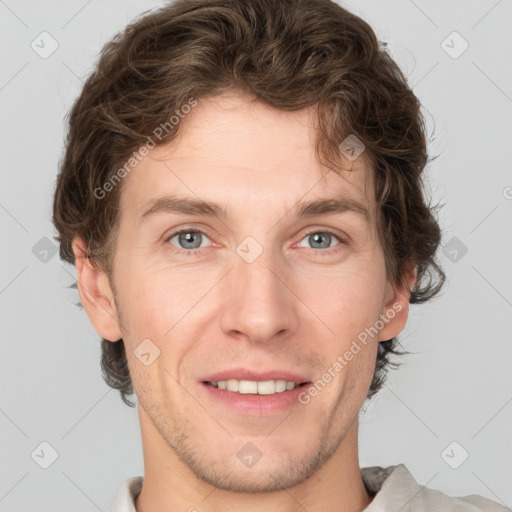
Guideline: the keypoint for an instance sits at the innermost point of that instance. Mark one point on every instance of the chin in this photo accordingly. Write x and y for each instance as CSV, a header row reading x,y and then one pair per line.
x,y
253,480
269,473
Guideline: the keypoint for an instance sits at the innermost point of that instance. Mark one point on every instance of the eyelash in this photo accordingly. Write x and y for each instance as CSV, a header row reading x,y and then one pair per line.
x,y
199,251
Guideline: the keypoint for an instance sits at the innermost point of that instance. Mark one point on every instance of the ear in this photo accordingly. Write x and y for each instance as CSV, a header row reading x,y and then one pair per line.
x,y
95,293
396,306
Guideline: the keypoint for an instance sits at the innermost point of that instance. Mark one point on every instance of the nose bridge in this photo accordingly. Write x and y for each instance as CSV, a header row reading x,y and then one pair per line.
x,y
260,306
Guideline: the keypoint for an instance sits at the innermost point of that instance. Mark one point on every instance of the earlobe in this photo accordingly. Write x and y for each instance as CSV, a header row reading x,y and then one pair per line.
x,y
396,308
96,294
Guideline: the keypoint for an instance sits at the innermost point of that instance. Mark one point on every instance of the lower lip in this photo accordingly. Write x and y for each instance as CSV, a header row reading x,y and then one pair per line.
x,y
260,405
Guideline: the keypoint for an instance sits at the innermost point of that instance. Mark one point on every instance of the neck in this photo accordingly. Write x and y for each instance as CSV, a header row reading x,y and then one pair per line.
x,y
169,484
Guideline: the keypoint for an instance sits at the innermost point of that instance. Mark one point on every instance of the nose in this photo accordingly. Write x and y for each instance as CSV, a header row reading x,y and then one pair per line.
x,y
261,306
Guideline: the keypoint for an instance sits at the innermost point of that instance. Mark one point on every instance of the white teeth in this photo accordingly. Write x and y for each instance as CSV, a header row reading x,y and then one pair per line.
x,y
232,385
266,387
247,386
252,387
280,386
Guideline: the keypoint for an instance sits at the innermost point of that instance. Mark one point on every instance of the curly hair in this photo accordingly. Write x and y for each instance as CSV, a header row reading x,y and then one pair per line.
x,y
288,54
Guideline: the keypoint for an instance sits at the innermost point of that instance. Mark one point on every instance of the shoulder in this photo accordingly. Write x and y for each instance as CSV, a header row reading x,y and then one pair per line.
x,y
129,490
396,489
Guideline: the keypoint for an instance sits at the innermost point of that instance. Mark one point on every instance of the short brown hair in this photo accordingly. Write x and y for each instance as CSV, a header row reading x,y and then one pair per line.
x,y
289,54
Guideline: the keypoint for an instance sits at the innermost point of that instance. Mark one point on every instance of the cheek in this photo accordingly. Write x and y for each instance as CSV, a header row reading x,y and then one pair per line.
x,y
350,296
167,304
349,303
148,299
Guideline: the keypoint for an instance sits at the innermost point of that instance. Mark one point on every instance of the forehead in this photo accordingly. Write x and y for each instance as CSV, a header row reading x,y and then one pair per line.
x,y
246,155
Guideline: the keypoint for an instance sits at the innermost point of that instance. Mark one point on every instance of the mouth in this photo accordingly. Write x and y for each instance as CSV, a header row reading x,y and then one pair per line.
x,y
261,395
254,387
245,391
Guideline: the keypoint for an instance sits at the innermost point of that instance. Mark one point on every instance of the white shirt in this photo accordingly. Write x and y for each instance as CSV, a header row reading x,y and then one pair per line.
x,y
394,487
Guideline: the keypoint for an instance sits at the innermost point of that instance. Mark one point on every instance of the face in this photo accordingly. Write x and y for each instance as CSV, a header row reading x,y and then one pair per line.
x,y
257,293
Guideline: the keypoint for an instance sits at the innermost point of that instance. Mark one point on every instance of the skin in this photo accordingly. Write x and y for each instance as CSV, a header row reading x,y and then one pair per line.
x,y
295,308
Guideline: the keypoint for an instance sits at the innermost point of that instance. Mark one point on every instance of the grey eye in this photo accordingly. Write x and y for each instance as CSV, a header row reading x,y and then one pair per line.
x,y
320,239
188,239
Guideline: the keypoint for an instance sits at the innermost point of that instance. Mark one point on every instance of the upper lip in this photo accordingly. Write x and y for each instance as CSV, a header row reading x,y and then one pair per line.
x,y
246,374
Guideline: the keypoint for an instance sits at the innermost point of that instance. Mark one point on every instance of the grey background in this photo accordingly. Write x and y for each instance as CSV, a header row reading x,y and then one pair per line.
x,y
456,386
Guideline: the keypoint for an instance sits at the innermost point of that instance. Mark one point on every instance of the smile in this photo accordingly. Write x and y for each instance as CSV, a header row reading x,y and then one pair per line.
x,y
253,387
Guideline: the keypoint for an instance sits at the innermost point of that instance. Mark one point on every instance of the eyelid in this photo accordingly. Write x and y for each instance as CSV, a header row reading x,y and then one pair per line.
x,y
335,233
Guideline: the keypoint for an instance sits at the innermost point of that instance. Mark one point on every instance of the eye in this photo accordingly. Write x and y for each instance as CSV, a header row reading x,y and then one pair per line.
x,y
322,240
189,240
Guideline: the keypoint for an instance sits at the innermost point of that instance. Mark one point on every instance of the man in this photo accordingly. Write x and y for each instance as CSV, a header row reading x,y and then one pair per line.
x,y
241,196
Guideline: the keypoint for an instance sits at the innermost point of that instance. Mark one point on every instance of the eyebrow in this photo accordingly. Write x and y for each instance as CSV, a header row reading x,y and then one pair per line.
x,y
191,206
184,206
331,206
